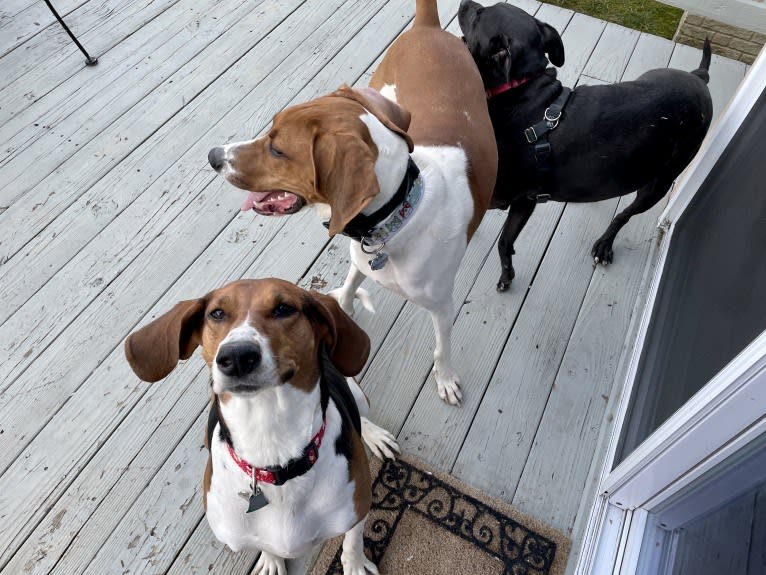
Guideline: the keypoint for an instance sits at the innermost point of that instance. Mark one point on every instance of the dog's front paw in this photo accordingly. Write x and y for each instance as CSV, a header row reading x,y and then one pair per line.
x,y
602,252
382,444
506,277
354,566
346,300
448,386
269,564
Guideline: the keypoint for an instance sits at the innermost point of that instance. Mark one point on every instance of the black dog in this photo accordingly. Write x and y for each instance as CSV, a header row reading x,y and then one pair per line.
x,y
611,140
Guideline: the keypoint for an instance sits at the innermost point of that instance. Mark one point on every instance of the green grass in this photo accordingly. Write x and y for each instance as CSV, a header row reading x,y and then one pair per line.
x,y
644,15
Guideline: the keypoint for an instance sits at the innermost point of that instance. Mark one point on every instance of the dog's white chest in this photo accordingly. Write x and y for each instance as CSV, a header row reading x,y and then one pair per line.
x,y
301,513
425,254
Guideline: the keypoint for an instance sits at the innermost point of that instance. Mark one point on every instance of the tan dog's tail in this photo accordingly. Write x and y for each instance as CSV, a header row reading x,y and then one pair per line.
x,y
426,14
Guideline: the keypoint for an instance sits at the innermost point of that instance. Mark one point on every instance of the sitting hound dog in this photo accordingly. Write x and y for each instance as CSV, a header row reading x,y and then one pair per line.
x,y
407,176
287,469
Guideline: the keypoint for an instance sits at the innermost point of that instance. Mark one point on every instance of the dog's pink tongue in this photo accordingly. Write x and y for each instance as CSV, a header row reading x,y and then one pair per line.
x,y
252,199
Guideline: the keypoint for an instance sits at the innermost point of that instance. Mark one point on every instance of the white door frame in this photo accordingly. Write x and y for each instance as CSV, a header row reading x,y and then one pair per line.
x,y
701,433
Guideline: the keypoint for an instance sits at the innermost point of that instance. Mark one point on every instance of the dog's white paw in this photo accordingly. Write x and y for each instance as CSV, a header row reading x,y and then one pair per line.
x,y
448,386
269,564
346,302
358,566
364,296
382,444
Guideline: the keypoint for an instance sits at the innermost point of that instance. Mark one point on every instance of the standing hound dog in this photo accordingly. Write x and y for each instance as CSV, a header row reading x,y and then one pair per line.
x,y
610,140
287,468
408,176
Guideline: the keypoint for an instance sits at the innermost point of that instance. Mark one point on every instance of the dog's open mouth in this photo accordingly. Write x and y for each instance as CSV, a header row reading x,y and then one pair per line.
x,y
273,203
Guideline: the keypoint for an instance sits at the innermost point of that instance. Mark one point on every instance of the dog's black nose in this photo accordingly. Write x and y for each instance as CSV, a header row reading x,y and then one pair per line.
x,y
215,157
238,359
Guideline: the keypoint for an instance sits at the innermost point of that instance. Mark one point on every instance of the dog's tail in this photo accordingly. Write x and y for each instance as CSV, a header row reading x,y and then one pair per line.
x,y
426,14
702,71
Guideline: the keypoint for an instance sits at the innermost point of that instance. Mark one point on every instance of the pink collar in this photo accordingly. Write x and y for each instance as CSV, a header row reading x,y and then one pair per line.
x,y
507,86
294,468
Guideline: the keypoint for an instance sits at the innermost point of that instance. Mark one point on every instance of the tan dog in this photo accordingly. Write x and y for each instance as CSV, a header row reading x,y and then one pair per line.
x,y
408,176
287,468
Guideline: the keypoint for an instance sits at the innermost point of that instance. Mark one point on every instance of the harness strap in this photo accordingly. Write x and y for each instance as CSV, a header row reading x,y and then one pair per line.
x,y
537,135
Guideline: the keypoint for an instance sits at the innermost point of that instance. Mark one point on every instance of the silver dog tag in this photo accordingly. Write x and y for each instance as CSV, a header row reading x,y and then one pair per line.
x,y
379,261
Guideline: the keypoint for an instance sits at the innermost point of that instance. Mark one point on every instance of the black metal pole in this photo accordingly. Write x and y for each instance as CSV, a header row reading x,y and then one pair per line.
x,y
88,60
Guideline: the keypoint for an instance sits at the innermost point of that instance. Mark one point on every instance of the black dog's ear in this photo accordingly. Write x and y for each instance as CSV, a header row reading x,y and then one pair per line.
x,y
552,43
500,56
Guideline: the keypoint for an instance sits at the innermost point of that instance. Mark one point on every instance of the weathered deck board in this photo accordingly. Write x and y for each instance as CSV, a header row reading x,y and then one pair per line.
x,y
725,74
24,20
161,60
137,224
580,39
109,173
610,58
559,461
32,70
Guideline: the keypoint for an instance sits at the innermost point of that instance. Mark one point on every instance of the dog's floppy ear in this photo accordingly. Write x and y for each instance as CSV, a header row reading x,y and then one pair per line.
x,y
552,43
347,344
344,173
391,114
500,55
155,349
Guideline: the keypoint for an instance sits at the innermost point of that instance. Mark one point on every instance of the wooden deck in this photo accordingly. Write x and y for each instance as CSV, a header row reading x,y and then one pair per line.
x,y
109,214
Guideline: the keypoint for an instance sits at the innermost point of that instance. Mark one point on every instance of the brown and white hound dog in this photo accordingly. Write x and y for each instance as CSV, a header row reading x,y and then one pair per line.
x,y
406,168
287,468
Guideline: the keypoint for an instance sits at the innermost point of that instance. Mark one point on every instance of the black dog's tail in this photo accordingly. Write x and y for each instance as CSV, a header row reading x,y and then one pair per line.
x,y
702,71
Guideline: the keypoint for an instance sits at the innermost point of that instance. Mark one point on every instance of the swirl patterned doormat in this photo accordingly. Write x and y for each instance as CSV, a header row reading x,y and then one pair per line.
x,y
424,522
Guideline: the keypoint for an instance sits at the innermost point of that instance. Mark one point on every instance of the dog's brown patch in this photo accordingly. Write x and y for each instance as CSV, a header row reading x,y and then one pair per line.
x,y
359,472
206,479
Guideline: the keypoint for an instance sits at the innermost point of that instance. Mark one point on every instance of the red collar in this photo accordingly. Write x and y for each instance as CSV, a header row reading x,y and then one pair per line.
x,y
293,468
505,87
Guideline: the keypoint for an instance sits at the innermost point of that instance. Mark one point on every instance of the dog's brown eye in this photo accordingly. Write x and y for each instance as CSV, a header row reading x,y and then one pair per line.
x,y
275,152
217,314
283,310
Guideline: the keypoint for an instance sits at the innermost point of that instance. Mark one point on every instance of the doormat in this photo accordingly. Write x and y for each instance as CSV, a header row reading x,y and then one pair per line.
x,y
425,522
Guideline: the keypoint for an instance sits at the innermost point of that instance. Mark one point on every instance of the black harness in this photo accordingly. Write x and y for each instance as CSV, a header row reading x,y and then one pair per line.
x,y
537,135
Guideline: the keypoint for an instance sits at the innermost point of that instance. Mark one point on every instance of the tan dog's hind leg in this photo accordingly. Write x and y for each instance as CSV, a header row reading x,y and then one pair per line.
x,y
353,558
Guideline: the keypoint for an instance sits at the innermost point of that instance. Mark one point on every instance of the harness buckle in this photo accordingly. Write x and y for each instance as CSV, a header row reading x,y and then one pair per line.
x,y
542,157
530,135
542,152
552,121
